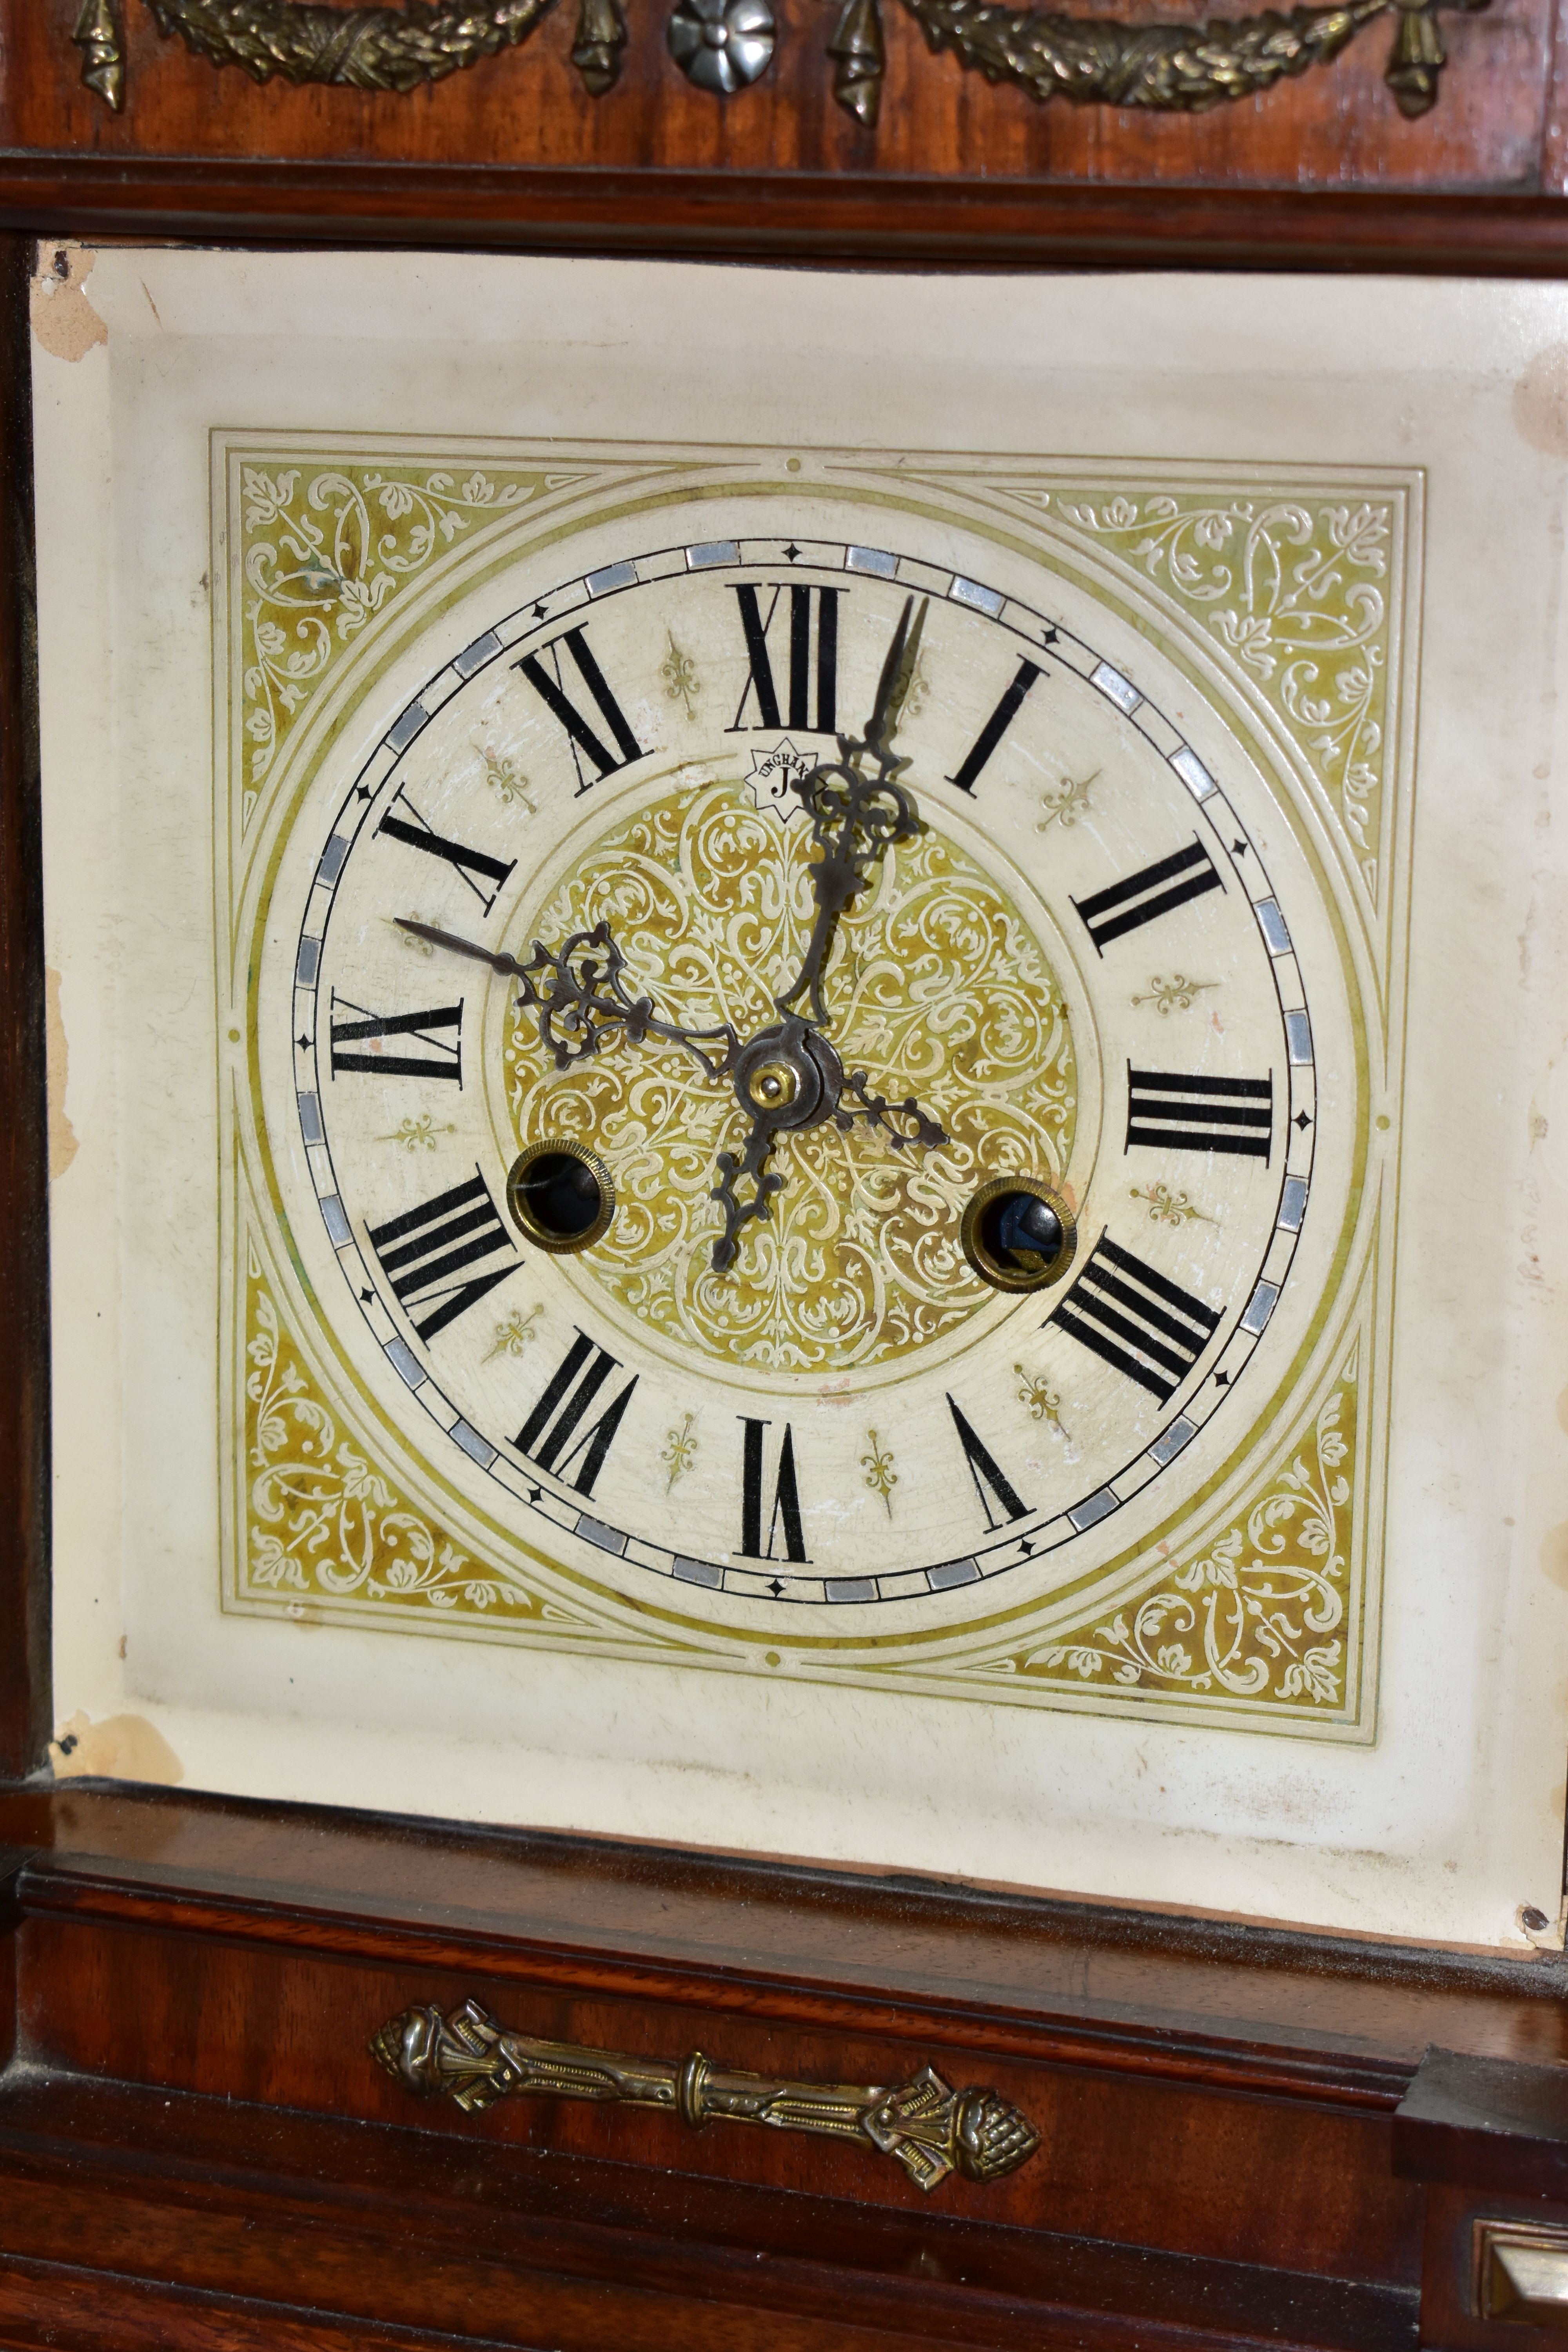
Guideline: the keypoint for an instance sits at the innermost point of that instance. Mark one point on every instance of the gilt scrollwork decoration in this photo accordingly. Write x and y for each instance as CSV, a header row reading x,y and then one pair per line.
x,y
1087,60
930,2129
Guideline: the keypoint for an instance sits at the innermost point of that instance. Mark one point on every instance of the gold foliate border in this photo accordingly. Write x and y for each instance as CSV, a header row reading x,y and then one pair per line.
x,y
1267,1609
1268,1619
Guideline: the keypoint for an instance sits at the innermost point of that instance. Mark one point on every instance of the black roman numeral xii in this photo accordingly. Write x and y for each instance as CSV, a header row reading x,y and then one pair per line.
x,y
761,681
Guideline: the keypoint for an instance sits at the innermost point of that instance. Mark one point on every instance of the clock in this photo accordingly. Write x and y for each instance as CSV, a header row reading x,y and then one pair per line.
x,y
801,1101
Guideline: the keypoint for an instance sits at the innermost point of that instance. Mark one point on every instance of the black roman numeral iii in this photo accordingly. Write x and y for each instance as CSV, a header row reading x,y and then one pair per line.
x,y
996,726
441,1059
1169,883
555,1436
1138,1320
468,863
787,1497
551,687
1199,1114
988,1479
426,1251
802,642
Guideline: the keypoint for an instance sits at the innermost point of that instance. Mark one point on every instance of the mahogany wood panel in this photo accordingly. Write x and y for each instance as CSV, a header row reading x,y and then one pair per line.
x,y
1209,2002
1335,128
191,2102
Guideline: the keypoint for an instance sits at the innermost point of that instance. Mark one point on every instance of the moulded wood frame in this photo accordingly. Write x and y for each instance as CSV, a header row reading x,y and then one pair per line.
x,y
193,2149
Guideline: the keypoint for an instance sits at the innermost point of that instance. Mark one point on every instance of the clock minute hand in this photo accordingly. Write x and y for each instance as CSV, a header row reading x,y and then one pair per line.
x,y
855,817
572,991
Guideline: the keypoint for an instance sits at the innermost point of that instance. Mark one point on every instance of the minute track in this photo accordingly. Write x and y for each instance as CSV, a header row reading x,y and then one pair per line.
x,y
1044,1537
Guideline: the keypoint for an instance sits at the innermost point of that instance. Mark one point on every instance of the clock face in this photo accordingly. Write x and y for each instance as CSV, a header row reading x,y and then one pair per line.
x,y
813,1096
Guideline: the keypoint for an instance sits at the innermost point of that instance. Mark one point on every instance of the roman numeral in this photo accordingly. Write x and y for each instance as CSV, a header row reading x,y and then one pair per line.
x,y
1135,1320
787,1497
996,726
759,678
988,1479
1197,1114
425,1251
554,1435
1143,898
468,863
581,737
443,1060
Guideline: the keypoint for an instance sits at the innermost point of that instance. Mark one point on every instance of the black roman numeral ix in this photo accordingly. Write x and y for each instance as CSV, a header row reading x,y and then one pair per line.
x,y
554,1435
426,1252
444,1058
1135,1320
996,726
1199,1114
551,687
787,1497
760,679
1127,906
468,863
988,1479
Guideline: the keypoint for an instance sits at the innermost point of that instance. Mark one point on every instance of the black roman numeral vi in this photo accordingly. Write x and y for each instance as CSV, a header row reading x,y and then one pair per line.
x,y
787,1497
553,1434
996,726
581,736
426,1253
759,678
443,1058
1199,1114
988,1479
468,863
1135,1320
1127,906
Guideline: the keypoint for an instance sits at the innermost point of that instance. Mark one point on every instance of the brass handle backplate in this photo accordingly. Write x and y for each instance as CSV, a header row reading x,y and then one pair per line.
x,y
932,2129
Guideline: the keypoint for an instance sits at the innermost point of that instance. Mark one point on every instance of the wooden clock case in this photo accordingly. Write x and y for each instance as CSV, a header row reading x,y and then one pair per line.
x,y
1248,2135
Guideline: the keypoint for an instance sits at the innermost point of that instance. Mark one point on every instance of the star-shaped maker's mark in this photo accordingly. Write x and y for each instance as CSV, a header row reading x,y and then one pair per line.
x,y
1302,1121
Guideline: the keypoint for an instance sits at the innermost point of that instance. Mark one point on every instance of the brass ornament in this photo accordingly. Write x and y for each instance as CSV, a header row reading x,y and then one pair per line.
x,y
930,2129
1021,1260
535,1183
1089,60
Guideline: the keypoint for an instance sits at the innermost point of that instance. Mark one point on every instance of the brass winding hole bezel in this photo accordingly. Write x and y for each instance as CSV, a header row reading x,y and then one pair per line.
x,y
999,1272
521,1209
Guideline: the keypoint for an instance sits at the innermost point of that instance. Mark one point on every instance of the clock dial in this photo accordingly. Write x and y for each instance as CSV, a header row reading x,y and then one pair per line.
x,y
794,1084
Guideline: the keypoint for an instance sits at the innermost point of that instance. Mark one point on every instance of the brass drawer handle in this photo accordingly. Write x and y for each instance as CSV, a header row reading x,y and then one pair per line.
x,y
1521,2274
932,2129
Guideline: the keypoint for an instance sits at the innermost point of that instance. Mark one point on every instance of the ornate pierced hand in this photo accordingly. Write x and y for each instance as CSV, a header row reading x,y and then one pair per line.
x,y
789,1077
575,995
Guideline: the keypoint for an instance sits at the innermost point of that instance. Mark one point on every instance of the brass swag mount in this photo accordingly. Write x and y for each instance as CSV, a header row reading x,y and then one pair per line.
x,y
1089,60
932,2129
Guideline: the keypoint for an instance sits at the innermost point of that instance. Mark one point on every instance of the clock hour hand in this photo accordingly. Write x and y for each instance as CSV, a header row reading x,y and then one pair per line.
x,y
855,817
579,998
